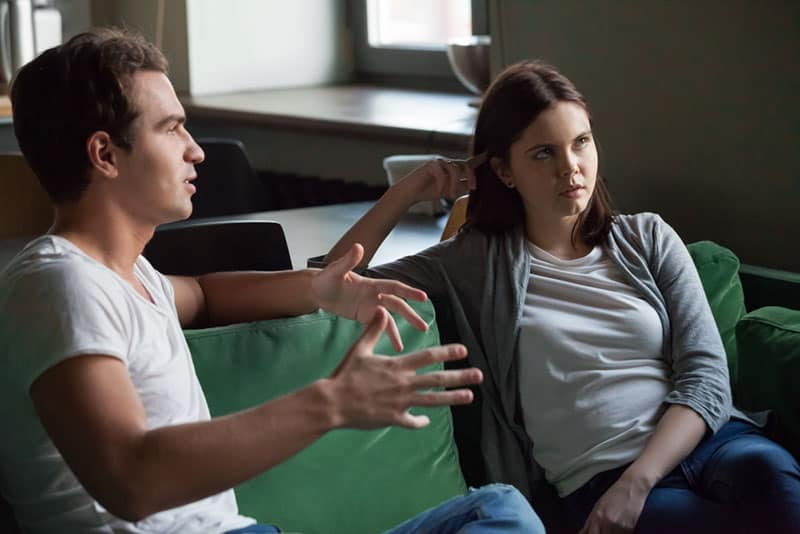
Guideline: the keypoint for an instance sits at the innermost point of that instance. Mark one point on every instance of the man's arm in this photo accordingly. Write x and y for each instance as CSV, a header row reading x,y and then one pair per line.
x,y
224,298
93,414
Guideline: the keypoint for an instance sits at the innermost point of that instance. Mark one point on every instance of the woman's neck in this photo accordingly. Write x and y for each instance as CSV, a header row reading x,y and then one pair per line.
x,y
556,237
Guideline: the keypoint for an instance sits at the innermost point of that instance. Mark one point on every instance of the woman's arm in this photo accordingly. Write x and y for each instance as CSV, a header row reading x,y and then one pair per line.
x,y
436,179
676,435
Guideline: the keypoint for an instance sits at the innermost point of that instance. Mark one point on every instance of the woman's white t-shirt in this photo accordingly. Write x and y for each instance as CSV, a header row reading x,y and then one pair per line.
x,y
592,375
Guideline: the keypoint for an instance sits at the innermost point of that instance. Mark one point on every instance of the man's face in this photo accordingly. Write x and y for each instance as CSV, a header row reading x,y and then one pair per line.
x,y
156,174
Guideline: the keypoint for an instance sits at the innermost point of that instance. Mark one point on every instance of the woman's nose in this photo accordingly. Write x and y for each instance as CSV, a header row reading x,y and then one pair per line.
x,y
569,165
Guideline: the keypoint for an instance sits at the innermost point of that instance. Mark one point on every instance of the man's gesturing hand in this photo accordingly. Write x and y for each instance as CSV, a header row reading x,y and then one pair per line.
x,y
373,391
339,290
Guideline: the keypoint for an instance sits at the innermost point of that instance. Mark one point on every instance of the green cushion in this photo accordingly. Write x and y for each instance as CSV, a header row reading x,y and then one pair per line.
x,y
769,368
718,268
348,481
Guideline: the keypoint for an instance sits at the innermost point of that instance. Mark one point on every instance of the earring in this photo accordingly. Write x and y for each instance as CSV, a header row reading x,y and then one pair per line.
x,y
510,184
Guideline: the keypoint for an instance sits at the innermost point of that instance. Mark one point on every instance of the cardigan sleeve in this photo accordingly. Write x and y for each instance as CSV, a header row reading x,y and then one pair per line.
x,y
699,365
421,270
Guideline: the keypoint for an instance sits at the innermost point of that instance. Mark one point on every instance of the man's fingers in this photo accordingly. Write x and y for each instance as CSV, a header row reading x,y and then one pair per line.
x,y
413,421
400,306
372,332
394,334
393,287
347,262
448,379
443,398
445,353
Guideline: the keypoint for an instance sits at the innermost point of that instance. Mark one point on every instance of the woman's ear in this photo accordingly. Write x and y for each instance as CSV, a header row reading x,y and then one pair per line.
x,y
102,154
502,171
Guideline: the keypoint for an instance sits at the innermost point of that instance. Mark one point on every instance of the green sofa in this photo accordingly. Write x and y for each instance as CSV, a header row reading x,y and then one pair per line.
x,y
355,482
364,482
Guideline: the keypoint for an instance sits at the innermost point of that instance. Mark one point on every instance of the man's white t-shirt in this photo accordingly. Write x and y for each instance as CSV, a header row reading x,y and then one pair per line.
x,y
57,303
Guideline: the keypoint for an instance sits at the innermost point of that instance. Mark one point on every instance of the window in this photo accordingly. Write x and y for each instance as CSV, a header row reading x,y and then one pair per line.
x,y
417,24
404,41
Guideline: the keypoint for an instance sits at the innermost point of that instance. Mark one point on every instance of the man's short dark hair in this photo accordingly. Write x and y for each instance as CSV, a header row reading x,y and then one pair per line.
x,y
71,91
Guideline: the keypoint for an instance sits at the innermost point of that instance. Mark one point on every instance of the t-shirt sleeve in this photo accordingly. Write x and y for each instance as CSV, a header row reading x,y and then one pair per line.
x,y
62,311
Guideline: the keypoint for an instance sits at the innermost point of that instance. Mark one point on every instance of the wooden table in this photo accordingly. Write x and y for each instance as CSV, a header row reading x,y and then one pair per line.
x,y
313,231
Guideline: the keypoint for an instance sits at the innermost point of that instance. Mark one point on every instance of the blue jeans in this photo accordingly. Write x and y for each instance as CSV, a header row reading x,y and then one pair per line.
x,y
255,529
493,508
737,480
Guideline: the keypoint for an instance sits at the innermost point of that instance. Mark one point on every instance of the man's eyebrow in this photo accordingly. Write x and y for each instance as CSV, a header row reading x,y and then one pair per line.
x,y
176,117
547,145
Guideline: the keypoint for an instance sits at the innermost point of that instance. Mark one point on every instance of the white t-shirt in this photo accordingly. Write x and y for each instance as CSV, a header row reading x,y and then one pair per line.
x,y
592,376
55,303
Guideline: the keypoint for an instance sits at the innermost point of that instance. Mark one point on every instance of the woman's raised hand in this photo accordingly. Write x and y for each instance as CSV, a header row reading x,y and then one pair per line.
x,y
443,178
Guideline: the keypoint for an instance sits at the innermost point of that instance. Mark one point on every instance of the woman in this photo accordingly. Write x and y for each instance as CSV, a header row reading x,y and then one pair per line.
x,y
604,372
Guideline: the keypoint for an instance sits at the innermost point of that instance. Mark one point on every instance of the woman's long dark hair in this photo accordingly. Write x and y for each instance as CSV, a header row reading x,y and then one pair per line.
x,y
513,101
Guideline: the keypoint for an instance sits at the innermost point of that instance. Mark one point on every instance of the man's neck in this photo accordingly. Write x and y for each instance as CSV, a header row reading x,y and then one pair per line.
x,y
104,234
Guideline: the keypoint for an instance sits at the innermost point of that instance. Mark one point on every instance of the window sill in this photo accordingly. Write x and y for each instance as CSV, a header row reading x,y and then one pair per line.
x,y
440,120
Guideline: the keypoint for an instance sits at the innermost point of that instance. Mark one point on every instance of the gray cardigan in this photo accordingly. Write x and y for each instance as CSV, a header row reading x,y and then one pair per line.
x,y
477,282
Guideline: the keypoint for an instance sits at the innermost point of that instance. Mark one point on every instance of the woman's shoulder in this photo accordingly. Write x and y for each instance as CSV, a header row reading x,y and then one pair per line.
x,y
644,226
642,220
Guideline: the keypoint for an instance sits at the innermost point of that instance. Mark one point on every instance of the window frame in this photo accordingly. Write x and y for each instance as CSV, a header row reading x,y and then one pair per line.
x,y
416,66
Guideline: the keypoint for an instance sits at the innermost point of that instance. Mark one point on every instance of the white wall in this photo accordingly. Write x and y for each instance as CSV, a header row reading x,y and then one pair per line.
x,y
219,46
696,108
238,45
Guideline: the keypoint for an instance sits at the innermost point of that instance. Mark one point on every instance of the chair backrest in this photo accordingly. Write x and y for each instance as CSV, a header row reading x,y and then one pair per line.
x,y
25,208
458,214
226,183
197,247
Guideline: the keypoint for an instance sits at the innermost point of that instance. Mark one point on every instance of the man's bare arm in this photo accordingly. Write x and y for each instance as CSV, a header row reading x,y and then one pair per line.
x,y
93,414
224,298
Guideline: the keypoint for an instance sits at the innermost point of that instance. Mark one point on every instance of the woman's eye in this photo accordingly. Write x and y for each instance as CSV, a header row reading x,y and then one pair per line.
x,y
543,154
582,141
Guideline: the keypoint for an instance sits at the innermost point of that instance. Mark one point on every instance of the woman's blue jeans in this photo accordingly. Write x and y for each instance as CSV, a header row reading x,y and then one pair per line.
x,y
737,480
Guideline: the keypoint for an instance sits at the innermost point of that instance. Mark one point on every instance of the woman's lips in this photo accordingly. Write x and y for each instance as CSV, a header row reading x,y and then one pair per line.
x,y
572,192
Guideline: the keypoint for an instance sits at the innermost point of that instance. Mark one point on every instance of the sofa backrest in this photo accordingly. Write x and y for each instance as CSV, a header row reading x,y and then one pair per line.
x,y
348,481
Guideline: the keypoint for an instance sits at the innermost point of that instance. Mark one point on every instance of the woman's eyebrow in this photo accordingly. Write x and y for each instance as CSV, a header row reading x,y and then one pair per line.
x,y
551,145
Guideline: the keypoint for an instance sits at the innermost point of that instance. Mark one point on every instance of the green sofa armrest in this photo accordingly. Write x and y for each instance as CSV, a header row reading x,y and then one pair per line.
x,y
348,481
769,287
769,351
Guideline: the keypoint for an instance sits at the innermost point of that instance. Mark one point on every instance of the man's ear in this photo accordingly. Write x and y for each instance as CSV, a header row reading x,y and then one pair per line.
x,y
102,153
502,171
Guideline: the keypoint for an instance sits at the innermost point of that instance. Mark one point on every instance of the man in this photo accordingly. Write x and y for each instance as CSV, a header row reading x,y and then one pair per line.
x,y
104,418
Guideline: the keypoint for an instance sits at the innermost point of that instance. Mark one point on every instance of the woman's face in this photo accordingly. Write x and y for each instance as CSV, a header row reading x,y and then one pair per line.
x,y
553,164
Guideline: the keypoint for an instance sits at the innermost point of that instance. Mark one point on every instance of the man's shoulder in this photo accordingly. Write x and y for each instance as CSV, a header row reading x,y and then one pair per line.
x,y
48,257
50,269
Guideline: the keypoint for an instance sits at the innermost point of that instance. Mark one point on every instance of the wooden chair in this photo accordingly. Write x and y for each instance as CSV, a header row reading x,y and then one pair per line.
x,y
25,208
458,214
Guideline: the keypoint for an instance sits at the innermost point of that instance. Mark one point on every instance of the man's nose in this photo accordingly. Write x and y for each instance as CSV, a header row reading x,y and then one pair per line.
x,y
194,154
